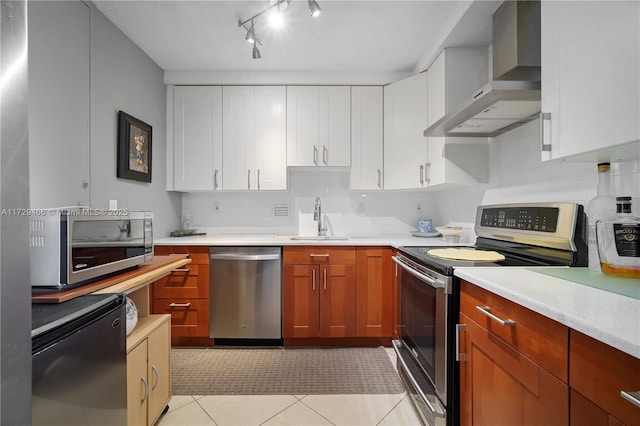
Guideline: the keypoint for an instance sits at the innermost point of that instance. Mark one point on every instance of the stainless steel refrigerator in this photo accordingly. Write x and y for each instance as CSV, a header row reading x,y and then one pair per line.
x,y
15,288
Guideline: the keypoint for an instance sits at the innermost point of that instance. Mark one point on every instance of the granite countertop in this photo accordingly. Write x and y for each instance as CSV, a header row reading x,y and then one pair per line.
x,y
606,316
286,240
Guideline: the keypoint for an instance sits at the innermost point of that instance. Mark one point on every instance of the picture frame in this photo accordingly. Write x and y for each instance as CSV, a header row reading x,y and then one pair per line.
x,y
134,148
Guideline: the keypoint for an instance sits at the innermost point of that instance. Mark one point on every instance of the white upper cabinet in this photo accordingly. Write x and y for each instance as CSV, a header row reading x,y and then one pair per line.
x,y
237,137
405,118
254,138
453,77
270,142
59,103
366,138
197,138
591,80
334,129
318,125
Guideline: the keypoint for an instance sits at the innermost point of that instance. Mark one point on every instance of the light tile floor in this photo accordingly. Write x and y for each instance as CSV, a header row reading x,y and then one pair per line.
x,y
298,410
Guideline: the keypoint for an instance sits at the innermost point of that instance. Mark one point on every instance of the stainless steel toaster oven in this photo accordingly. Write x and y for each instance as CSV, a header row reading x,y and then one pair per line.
x,y
71,247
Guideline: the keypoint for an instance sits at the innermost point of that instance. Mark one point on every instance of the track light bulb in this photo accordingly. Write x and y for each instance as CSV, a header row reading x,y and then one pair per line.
x,y
314,8
256,52
276,19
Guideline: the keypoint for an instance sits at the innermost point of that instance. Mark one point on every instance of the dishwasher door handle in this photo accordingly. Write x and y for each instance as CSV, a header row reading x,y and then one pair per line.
x,y
231,256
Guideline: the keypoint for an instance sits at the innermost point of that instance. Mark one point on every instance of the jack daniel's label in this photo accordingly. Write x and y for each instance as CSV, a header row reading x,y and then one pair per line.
x,y
627,239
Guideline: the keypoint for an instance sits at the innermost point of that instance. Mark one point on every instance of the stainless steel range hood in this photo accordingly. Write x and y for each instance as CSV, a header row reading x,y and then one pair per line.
x,y
513,97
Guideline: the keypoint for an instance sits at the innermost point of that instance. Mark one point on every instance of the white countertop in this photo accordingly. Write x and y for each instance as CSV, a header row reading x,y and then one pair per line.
x,y
606,316
285,240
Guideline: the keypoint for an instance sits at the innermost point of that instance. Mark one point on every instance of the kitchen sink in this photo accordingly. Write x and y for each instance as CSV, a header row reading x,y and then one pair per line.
x,y
319,237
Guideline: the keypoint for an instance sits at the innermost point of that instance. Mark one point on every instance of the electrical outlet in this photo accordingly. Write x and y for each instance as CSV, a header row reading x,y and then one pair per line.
x,y
361,207
216,207
419,207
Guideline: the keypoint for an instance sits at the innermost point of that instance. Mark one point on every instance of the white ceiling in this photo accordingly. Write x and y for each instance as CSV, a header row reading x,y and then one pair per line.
x,y
359,36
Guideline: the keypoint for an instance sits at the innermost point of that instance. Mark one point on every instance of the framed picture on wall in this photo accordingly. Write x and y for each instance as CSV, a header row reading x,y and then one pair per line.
x,y
134,148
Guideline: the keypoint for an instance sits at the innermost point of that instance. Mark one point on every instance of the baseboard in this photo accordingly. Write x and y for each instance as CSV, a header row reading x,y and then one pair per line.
x,y
338,341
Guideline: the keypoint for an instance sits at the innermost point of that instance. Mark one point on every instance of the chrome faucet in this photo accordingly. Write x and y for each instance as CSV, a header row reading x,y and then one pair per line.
x,y
317,215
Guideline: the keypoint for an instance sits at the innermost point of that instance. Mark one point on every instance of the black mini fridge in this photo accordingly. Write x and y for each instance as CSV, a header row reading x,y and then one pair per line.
x,y
79,361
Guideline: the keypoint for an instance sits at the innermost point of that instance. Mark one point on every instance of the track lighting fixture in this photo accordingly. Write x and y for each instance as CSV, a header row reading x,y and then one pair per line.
x,y
279,5
251,34
314,8
256,52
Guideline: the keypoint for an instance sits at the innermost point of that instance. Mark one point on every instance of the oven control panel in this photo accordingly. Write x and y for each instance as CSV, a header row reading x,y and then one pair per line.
x,y
533,218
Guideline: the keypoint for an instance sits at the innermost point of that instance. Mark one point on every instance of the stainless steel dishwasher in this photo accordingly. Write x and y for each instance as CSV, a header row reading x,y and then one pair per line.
x,y
246,293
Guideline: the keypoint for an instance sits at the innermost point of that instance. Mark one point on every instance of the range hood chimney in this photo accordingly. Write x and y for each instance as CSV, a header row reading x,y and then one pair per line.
x,y
513,97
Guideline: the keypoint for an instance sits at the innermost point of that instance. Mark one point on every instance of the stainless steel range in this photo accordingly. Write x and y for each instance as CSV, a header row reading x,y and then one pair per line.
x,y
534,234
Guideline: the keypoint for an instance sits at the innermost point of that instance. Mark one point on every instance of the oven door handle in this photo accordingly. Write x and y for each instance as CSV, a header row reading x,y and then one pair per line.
x,y
435,283
414,383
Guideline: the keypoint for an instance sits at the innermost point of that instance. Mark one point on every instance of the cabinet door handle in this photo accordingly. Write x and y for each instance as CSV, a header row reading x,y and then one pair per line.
x,y
315,155
485,310
313,280
632,397
427,169
179,305
325,279
258,176
182,270
157,374
215,179
325,155
545,131
146,389
248,178
460,356
379,178
421,174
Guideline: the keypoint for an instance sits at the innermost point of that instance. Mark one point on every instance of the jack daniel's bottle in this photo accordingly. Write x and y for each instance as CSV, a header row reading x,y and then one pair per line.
x,y
619,241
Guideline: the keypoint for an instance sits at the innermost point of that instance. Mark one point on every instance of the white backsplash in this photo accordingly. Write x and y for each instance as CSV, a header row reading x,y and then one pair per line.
x,y
516,175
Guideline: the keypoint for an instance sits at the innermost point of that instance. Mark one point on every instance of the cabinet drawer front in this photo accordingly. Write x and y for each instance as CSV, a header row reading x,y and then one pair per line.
x,y
198,255
543,340
320,255
181,285
600,373
499,386
189,317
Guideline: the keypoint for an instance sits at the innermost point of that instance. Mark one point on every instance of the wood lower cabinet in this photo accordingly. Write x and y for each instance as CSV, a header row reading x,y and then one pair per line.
x,y
148,370
598,375
507,377
185,296
319,292
374,292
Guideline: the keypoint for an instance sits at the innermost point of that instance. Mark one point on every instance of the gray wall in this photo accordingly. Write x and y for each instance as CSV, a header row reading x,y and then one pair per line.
x,y
124,78
84,70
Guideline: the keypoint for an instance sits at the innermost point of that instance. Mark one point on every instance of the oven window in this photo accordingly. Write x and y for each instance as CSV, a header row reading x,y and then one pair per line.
x,y
423,315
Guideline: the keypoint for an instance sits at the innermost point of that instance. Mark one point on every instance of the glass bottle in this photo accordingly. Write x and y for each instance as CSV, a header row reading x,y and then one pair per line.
x,y
602,206
619,241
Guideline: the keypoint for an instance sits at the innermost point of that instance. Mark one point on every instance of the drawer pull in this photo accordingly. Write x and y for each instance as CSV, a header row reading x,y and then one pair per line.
x,y
179,254
485,310
157,374
319,255
632,397
179,305
182,270
146,389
